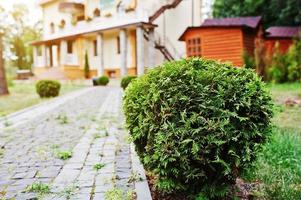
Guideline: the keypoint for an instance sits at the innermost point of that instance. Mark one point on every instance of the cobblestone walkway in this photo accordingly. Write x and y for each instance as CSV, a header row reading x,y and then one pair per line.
x,y
90,126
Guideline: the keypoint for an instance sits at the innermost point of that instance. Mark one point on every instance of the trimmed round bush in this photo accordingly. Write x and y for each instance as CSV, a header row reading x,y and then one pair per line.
x,y
125,81
197,124
103,80
48,88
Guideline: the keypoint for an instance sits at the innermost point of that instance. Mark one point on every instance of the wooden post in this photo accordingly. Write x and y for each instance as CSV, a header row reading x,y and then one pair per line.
x,y
3,83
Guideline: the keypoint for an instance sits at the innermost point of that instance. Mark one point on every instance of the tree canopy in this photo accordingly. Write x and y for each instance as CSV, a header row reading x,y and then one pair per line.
x,y
274,12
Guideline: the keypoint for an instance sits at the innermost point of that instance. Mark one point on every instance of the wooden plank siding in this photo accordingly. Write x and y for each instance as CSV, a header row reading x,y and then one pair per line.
x,y
223,44
284,45
249,42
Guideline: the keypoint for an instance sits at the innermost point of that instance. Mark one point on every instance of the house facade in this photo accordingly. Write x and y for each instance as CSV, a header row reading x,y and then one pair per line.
x,y
224,39
119,37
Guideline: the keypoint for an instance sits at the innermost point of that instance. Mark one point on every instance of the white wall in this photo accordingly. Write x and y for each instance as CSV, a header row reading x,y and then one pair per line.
x,y
51,14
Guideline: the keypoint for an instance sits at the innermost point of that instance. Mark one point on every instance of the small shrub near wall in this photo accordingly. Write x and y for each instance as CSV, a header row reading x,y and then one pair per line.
x,y
103,80
125,81
198,124
48,88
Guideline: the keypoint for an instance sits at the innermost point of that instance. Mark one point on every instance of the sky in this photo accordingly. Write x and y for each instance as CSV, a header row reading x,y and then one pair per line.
x,y
35,13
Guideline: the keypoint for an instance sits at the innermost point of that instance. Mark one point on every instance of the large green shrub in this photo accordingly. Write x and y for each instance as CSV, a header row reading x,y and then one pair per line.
x,y
125,81
197,124
103,80
48,88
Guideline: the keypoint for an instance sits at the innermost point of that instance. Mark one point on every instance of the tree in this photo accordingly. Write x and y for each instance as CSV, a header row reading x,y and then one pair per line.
x,y
87,66
21,35
288,12
3,82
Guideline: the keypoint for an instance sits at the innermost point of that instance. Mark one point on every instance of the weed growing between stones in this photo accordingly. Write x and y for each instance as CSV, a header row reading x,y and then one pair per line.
x,y
135,177
68,192
62,119
118,194
39,188
98,166
64,155
7,123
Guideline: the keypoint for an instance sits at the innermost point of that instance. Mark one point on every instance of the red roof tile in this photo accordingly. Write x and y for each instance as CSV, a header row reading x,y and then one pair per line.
x,y
282,31
251,22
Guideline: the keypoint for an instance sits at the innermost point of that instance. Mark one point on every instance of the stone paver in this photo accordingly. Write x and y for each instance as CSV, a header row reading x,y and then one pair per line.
x,y
91,126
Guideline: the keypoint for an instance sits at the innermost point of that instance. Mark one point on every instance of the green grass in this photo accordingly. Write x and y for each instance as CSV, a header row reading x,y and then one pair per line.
x,y
23,95
278,167
281,92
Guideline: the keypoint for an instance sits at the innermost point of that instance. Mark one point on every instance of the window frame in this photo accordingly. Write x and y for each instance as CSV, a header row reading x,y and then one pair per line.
x,y
194,47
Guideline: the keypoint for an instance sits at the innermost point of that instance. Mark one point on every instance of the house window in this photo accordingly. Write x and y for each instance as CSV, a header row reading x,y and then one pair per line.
x,y
52,28
96,12
118,45
70,46
194,47
104,4
95,48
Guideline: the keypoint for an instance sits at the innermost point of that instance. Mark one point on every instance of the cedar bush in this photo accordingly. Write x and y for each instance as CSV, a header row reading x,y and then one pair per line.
x,y
48,88
87,66
125,81
197,124
103,80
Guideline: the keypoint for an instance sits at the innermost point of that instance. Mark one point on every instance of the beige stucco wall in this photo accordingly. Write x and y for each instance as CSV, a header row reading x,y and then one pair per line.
x,y
51,14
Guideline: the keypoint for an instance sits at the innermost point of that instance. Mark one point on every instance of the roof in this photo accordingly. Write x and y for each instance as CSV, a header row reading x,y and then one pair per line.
x,y
42,2
283,31
250,22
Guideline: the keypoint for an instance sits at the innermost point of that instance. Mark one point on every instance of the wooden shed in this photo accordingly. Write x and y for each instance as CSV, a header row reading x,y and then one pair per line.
x,y
224,39
282,35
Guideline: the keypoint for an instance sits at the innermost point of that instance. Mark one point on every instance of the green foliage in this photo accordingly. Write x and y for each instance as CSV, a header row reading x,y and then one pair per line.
x,y
48,88
87,66
114,194
118,194
125,81
20,36
288,12
196,123
103,80
98,166
64,155
278,71
294,62
62,118
39,188
286,67
279,166
249,61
